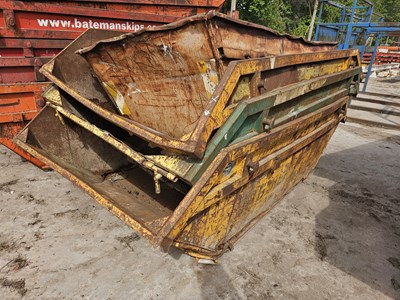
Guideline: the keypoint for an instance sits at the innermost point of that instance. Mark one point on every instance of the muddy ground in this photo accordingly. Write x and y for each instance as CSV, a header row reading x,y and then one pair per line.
x,y
335,236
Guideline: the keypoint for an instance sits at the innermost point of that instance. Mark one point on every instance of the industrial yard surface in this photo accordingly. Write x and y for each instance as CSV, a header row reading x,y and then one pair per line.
x,y
335,236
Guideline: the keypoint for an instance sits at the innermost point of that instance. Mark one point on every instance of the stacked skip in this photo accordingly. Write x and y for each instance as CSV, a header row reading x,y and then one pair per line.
x,y
191,132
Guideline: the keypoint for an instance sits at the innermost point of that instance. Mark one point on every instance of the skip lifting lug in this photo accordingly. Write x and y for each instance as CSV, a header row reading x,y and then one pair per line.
x,y
267,124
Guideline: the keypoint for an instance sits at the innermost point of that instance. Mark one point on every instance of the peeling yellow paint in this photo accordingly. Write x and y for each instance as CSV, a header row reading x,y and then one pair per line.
x,y
210,76
117,97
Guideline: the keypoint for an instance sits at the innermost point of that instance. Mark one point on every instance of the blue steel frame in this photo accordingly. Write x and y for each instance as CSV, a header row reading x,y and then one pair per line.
x,y
355,23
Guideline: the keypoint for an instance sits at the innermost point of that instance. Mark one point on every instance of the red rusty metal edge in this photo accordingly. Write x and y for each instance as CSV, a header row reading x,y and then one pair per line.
x,y
11,125
18,117
8,131
39,34
23,61
45,8
199,3
24,87
31,43
13,147
72,10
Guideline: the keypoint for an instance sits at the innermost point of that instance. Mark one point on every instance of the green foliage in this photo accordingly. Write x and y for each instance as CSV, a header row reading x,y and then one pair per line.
x,y
390,9
272,13
284,16
294,16
274,16
301,27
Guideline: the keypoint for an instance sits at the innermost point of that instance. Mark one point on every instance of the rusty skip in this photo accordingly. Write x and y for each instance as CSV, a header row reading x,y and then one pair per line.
x,y
187,133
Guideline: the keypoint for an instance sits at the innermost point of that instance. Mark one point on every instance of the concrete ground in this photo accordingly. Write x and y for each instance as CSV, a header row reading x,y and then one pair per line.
x,y
336,235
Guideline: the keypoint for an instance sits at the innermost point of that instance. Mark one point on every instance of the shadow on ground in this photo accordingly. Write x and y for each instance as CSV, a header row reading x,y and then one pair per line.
x,y
359,232
215,283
